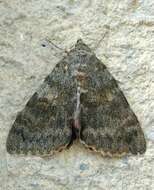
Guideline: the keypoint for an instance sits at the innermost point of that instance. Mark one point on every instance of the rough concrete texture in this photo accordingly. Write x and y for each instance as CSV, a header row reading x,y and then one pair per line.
x,y
122,35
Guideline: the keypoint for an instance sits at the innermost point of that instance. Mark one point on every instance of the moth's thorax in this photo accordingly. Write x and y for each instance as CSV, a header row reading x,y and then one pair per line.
x,y
80,75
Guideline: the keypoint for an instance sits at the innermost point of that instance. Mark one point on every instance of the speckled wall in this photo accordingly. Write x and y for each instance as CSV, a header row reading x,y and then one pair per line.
x,y
121,33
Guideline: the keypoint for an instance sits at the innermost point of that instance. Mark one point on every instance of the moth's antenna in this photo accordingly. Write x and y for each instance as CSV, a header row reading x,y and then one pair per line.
x,y
99,41
52,44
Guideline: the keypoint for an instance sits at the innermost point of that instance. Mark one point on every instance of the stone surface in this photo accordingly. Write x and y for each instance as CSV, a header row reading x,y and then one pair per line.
x,y
122,36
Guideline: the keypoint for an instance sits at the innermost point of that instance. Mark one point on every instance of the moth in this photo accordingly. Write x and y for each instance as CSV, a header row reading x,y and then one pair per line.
x,y
78,100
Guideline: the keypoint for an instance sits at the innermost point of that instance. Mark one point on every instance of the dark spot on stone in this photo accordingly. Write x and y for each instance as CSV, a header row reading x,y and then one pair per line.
x,y
84,167
43,45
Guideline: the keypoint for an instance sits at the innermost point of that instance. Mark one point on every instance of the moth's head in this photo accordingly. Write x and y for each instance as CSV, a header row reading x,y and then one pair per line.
x,y
80,45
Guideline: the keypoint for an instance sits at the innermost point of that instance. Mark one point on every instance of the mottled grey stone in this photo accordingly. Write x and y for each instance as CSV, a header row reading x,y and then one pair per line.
x,y
121,35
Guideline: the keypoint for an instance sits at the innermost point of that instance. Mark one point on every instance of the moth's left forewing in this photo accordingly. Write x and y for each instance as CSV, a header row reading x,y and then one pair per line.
x,y
108,124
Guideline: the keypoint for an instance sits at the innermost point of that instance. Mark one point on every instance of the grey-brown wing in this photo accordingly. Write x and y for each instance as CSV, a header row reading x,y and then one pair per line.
x,y
44,125
108,125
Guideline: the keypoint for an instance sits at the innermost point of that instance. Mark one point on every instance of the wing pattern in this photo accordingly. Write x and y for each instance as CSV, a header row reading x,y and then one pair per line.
x,y
81,100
